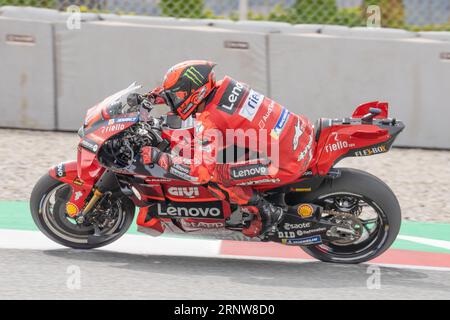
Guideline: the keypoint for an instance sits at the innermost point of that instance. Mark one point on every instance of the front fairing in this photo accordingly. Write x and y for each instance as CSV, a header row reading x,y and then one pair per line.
x,y
103,121
113,110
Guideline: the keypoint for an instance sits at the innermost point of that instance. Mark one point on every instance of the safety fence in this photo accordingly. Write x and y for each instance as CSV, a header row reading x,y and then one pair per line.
x,y
407,14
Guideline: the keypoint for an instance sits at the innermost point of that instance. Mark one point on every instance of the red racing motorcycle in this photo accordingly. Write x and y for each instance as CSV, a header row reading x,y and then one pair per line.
x,y
337,215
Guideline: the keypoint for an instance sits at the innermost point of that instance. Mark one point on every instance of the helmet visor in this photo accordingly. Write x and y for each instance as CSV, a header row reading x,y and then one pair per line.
x,y
174,99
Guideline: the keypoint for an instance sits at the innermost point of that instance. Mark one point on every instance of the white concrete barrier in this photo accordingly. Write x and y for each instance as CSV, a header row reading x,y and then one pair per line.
x,y
327,76
307,28
335,30
53,74
27,90
260,26
104,57
157,21
381,33
43,14
245,26
435,35
29,13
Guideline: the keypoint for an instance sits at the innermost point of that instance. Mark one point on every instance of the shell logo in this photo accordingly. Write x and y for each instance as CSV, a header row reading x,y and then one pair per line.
x,y
71,209
305,210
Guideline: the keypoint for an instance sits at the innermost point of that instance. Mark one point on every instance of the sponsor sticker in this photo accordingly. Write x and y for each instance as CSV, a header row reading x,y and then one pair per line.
x,y
295,226
71,209
294,233
187,108
281,123
262,122
298,134
78,195
308,150
182,168
78,182
128,119
60,170
249,171
307,173
338,144
232,97
371,151
302,189
113,127
250,183
201,94
194,75
89,145
187,192
306,232
157,180
207,210
182,174
286,235
204,225
199,127
251,105
305,210
305,241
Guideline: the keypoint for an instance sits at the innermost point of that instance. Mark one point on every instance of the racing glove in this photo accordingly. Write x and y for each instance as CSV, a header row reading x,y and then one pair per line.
x,y
152,155
174,165
154,96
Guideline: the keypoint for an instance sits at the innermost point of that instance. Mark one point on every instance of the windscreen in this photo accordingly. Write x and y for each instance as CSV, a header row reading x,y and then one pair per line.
x,y
114,106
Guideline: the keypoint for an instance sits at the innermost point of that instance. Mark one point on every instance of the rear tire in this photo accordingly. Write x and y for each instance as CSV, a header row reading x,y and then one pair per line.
x,y
374,192
57,225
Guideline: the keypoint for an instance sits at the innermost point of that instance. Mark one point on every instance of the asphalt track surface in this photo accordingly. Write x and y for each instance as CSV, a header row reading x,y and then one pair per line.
x,y
138,266
111,274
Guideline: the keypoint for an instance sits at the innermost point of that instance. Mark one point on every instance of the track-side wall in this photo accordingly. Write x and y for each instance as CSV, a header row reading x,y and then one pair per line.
x,y
50,75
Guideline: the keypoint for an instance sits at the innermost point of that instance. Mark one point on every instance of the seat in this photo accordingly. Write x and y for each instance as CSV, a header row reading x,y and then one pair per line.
x,y
317,129
319,125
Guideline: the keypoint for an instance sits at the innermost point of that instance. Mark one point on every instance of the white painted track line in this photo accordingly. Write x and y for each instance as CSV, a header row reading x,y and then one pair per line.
x,y
133,244
430,242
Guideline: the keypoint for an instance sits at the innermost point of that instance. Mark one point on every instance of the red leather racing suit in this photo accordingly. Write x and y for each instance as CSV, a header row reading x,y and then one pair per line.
x,y
281,143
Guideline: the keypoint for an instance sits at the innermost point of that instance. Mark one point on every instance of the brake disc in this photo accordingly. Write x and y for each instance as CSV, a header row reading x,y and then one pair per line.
x,y
348,229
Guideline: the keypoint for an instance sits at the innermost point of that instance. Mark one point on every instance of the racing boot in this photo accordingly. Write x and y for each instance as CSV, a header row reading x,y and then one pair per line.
x,y
270,215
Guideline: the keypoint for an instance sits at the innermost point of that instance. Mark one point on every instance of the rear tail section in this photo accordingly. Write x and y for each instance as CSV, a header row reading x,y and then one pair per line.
x,y
368,132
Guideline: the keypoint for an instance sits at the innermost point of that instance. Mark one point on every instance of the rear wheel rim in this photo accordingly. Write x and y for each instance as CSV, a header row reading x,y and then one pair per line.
x,y
375,231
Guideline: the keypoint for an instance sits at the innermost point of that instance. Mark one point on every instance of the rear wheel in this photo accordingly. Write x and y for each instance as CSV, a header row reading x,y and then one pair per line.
x,y
48,209
360,200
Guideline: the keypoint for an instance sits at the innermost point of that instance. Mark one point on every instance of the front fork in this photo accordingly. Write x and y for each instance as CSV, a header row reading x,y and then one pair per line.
x,y
94,185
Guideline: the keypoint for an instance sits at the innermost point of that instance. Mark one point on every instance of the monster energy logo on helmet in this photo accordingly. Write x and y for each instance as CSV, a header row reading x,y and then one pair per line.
x,y
194,75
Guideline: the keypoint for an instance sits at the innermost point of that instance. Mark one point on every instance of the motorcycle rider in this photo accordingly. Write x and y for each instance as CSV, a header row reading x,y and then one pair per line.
x,y
284,145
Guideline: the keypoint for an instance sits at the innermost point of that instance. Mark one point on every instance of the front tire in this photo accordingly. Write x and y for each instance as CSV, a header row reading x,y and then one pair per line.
x,y
363,188
47,205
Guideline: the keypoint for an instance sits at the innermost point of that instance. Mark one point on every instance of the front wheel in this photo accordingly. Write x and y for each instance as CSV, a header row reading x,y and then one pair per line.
x,y
48,209
356,196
